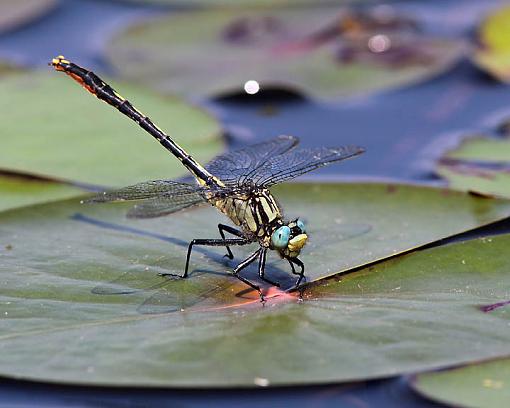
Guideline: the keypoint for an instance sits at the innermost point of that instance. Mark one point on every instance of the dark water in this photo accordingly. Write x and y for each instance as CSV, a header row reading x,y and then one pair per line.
x,y
377,394
404,131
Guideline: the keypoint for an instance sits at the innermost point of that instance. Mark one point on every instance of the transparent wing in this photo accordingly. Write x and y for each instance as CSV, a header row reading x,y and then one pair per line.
x,y
237,166
156,198
157,207
146,190
296,162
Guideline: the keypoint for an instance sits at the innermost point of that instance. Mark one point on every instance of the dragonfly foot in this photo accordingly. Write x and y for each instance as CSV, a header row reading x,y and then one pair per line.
x,y
229,256
301,278
301,291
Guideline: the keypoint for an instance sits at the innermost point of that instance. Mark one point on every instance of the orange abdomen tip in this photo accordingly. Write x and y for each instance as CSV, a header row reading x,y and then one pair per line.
x,y
57,62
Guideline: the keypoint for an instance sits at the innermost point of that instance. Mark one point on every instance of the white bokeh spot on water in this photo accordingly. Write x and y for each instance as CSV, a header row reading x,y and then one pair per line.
x,y
251,87
379,43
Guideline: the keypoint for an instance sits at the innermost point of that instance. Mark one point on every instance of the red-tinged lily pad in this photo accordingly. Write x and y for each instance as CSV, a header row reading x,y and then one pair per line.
x,y
14,13
485,384
21,191
325,52
52,128
480,165
493,51
82,302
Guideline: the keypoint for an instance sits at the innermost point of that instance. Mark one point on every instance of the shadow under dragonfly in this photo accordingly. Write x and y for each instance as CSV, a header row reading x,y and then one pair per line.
x,y
164,300
172,294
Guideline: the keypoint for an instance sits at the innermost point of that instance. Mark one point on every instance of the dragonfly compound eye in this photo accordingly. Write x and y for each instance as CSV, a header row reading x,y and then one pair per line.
x,y
301,225
280,237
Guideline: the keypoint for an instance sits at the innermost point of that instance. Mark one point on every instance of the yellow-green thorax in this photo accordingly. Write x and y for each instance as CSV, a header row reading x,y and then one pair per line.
x,y
257,213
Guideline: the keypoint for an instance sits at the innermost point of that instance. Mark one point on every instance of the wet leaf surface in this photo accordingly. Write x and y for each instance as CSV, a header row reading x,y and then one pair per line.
x,y
486,384
479,164
82,301
493,52
17,191
325,52
14,13
64,133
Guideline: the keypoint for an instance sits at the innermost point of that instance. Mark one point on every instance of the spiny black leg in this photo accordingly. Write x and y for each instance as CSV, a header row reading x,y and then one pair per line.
x,y
233,231
292,267
262,268
301,274
243,265
212,242
207,242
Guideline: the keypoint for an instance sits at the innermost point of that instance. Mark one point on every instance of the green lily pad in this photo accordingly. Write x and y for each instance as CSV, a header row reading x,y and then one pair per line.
x,y
17,192
479,164
493,54
61,132
319,51
482,149
484,385
82,301
14,13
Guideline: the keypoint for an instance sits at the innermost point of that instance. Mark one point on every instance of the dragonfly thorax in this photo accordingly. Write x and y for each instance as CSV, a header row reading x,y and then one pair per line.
x,y
256,211
260,217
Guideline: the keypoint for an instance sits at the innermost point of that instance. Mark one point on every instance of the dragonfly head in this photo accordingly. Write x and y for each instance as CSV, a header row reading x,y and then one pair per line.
x,y
289,239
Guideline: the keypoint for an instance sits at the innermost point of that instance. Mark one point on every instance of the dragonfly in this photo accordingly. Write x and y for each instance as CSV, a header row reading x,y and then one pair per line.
x,y
237,183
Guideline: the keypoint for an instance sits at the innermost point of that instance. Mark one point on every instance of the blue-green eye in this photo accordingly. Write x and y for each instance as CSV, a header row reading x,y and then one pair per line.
x,y
280,237
301,225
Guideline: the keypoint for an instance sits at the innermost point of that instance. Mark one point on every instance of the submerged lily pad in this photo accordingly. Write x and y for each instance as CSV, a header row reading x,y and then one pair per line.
x,y
82,301
484,385
325,51
493,53
63,133
20,191
480,165
14,13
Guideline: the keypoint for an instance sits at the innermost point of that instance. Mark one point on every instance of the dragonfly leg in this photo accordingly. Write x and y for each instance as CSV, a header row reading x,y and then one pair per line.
x,y
262,268
233,231
301,273
206,242
243,265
